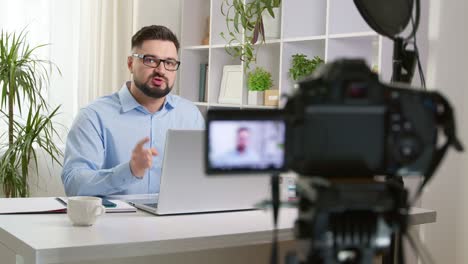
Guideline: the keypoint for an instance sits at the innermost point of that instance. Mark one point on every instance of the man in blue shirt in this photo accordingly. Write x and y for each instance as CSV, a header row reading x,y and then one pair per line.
x,y
242,155
116,143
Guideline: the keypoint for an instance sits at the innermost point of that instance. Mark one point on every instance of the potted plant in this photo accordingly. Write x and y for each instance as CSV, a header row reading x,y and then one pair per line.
x,y
23,108
245,26
258,81
301,66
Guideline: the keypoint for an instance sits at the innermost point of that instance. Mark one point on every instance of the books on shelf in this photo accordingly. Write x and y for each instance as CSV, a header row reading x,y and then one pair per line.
x,y
203,83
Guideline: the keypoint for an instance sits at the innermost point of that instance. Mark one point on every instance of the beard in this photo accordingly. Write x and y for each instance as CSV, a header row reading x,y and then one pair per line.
x,y
156,92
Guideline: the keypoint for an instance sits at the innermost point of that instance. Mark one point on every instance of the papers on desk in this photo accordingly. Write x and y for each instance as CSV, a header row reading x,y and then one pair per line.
x,y
40,205
31,205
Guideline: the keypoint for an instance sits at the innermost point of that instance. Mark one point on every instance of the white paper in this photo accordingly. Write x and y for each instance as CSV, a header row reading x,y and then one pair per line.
x,y
30,205
120,207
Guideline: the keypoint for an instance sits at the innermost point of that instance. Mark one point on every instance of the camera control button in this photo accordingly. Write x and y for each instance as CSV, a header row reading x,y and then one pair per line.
x,y
409,148
407,126
396,127
396,117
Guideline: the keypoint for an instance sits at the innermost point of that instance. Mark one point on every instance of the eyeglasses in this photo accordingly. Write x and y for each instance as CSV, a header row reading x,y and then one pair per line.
x,y
153,62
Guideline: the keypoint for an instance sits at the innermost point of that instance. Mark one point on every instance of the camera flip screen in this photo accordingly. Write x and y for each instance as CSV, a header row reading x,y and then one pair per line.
x,y
245,145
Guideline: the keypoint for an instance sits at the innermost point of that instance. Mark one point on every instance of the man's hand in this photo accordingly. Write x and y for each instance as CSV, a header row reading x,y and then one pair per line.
x,y
142,158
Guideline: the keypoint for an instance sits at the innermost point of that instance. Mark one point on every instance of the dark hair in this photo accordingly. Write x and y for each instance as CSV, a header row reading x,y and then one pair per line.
x,y
240,129
154,32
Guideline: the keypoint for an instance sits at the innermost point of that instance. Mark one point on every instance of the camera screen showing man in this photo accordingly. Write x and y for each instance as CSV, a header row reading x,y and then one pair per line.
x,y
246,145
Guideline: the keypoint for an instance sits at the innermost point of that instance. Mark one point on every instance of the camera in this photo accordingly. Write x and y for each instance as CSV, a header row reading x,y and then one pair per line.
x,y
341,122
339,129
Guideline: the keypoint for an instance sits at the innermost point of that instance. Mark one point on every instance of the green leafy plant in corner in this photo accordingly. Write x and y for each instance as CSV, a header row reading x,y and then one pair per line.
x,y
259,80
23,80
245,28
302,66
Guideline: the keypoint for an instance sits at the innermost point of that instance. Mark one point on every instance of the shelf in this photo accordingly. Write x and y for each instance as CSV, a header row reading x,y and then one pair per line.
x,y
225,105
354,35
199,47
321,37
330,29
201,103
259,107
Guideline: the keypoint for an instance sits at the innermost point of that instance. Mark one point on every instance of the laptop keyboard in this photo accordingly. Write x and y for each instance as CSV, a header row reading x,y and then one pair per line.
x,y
154,205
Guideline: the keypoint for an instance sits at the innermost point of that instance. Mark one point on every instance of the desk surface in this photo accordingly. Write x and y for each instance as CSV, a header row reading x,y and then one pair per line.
x,y
50,238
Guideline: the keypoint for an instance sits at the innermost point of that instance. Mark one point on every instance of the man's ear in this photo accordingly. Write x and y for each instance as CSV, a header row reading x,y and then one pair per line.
x,y
130,64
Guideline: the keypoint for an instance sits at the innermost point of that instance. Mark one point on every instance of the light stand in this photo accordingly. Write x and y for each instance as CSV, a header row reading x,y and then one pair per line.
x,y
404,62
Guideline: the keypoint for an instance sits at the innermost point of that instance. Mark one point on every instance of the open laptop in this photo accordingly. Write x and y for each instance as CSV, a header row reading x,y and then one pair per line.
x,y
185,188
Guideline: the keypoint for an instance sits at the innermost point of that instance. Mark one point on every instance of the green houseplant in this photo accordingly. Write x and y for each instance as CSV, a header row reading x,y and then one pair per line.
x,y
258,81
302,66
245,27
24,110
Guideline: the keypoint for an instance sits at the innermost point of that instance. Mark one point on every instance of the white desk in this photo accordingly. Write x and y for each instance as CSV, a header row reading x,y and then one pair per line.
x,y
50,238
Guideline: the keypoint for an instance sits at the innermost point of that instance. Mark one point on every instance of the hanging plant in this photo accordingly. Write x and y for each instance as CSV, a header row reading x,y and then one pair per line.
x,y
244,24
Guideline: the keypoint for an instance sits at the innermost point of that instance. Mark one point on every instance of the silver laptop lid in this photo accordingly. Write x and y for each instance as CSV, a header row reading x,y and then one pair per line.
x,y
185,188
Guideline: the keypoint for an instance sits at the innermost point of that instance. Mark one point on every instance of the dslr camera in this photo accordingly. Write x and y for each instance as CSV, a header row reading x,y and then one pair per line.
x,y
341,122
339,129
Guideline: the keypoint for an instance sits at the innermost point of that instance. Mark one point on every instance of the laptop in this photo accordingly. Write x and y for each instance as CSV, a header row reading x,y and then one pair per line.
x,y
185,188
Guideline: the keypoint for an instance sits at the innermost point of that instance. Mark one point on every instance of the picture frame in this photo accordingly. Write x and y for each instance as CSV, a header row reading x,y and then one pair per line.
x,y
231,85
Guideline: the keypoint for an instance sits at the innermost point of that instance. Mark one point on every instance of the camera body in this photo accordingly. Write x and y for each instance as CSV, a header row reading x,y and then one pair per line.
x,y
343,122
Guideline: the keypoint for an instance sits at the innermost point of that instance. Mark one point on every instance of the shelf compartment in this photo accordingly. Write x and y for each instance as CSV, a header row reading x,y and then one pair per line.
x,y
218,59
343,17
190,73
303,18
267,58
311,48
218,24
359,47
194,23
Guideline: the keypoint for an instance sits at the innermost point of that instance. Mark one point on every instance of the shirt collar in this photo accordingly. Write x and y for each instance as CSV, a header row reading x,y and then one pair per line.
x,y
128,102
126,99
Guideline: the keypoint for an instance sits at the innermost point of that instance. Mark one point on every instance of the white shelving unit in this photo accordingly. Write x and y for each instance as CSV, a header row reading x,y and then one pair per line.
x,y
330,29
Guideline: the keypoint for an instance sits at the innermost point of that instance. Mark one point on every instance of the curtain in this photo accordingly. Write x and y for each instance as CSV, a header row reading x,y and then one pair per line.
x,y
105,40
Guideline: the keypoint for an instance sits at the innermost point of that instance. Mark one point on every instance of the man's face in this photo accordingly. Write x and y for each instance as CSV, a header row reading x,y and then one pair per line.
x,y
153,82
242,140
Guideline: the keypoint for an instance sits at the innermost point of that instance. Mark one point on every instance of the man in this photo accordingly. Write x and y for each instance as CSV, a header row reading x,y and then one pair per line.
x,y
242,155
116,143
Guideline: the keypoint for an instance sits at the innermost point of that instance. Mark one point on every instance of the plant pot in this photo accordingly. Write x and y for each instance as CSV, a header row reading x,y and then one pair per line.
x,y
271,97
255,98
271,25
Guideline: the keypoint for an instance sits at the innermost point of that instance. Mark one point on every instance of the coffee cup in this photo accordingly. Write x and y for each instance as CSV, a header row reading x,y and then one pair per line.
x,y
84,210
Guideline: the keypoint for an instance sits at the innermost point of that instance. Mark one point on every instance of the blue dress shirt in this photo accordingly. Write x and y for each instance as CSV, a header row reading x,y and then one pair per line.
x,y
104,134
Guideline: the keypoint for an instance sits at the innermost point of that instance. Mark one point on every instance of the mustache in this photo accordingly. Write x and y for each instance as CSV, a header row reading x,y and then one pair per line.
x,y
159,75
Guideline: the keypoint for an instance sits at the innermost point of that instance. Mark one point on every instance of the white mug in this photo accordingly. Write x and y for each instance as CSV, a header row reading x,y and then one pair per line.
x,y
84,210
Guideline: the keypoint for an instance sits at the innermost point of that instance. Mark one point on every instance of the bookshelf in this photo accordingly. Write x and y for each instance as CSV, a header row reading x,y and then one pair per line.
x,y
330,29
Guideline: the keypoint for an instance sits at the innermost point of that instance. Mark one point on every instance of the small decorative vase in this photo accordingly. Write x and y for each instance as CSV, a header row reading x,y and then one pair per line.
x,y
255,98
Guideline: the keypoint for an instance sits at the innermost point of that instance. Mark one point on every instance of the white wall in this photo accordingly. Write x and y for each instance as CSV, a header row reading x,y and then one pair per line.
x,y
447,71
